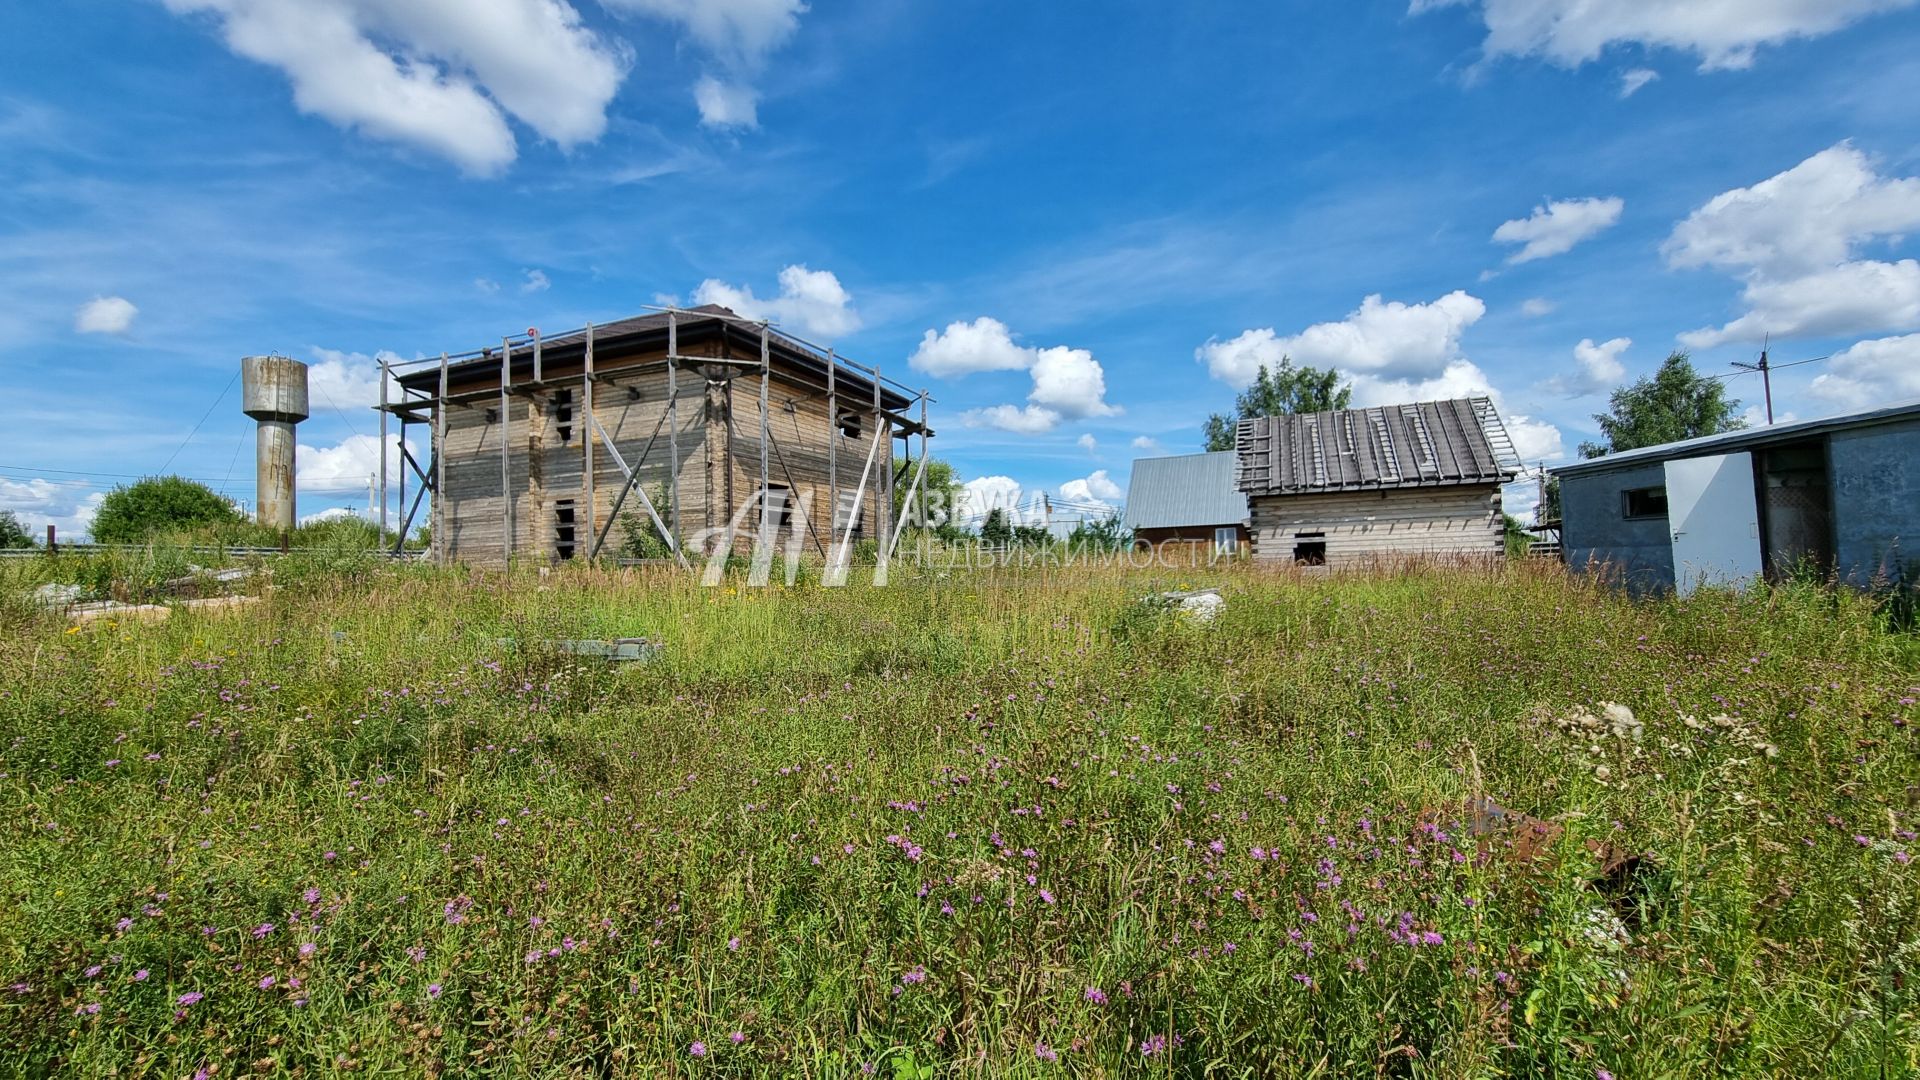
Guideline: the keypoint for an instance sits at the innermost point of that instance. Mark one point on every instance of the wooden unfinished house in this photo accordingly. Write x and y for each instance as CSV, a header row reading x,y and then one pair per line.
x,y
1339,488
681,418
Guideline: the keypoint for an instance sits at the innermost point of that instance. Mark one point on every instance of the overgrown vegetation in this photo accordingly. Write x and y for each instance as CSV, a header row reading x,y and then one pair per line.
x,y
376,824
131,513
13,535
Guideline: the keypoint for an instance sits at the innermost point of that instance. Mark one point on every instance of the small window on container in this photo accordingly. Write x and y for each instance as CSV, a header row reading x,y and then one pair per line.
x,y
1646,502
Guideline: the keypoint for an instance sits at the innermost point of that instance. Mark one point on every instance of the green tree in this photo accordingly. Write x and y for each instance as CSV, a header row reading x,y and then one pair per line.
x,y
1032,535
1674,403
12,533
131,513
995,530
944,492
1107,534
1277,391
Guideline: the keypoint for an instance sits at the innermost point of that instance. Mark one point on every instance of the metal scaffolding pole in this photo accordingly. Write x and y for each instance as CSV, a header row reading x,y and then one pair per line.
x,y
399,541
506,473
384,373
586,444
440,537
883,484
766,368
923,460
673,425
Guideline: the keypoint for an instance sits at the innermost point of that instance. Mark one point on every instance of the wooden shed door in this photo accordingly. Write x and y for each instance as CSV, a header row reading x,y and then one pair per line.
x,y
1715,523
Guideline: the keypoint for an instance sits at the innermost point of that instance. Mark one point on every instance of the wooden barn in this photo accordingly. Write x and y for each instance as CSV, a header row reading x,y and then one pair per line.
x,y
682,417
1339,488
1187,500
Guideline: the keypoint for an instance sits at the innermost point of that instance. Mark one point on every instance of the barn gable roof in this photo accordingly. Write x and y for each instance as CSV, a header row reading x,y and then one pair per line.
x,y
1426,444
1186,491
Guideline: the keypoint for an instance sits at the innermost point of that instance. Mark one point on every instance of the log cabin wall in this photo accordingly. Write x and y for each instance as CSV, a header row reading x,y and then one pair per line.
x,y
1346,528
546,432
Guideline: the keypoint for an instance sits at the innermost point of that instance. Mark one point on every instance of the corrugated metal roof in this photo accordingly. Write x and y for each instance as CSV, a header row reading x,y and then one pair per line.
x,y
1426,444
1733,440
1184,491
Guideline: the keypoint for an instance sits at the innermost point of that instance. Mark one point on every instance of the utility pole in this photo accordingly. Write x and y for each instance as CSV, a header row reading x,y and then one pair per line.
x,y
1766,379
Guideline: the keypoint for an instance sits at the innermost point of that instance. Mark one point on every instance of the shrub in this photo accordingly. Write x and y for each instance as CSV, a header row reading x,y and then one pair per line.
x,y
131,513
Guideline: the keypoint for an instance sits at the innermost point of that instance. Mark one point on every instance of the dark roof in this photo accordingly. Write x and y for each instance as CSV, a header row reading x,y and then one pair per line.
x,y
1183,492
621,338
1428,444
1745,437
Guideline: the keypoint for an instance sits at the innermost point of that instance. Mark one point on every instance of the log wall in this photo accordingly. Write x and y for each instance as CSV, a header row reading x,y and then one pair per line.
x,y
1357,526
546,432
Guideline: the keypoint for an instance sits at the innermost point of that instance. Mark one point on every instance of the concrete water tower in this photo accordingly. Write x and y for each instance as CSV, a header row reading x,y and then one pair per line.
x,y
273,390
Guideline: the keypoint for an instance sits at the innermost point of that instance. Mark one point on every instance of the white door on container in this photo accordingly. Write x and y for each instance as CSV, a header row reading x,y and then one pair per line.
x,y
1715,524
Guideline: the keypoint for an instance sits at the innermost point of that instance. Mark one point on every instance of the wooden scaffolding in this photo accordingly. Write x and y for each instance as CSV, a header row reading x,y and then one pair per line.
x,y
504,402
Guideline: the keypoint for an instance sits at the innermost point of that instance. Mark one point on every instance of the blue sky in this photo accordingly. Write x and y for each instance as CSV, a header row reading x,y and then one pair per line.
x,y
1082,232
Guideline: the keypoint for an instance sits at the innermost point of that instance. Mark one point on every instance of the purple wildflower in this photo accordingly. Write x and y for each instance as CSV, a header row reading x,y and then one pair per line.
x,y
434,990
191,997
698,1049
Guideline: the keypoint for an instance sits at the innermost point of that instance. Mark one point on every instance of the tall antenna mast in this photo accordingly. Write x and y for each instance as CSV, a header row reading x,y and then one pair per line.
x,y
1766,376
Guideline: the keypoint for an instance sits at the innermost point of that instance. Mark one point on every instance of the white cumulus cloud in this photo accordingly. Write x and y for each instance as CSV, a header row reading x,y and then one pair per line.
x,y
1722,33
105,315
435,74
1794,240
1095,489
963,348
346,380
1146,444
738,35
1811,216
1868,373
1021,420
68,506
812,302
1068,383
1555,227
533,281
986,493
726,104
346,465
1088,443
1535,307
1596,369
1390,340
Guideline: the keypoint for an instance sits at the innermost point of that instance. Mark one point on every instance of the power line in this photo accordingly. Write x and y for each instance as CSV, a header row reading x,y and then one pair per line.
x,y
203,419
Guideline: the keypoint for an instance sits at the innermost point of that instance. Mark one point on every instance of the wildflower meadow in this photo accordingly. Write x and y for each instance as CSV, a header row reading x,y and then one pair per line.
x,y
994,823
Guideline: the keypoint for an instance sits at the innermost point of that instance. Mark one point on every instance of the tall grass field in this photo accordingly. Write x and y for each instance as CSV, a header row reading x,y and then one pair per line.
x,y
986,823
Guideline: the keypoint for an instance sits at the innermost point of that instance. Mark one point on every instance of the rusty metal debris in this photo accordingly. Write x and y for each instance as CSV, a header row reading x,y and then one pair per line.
x,y
1523,838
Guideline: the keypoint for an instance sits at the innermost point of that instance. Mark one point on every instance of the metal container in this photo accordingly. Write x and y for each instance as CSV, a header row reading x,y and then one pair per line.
x,y
273,388
274,392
